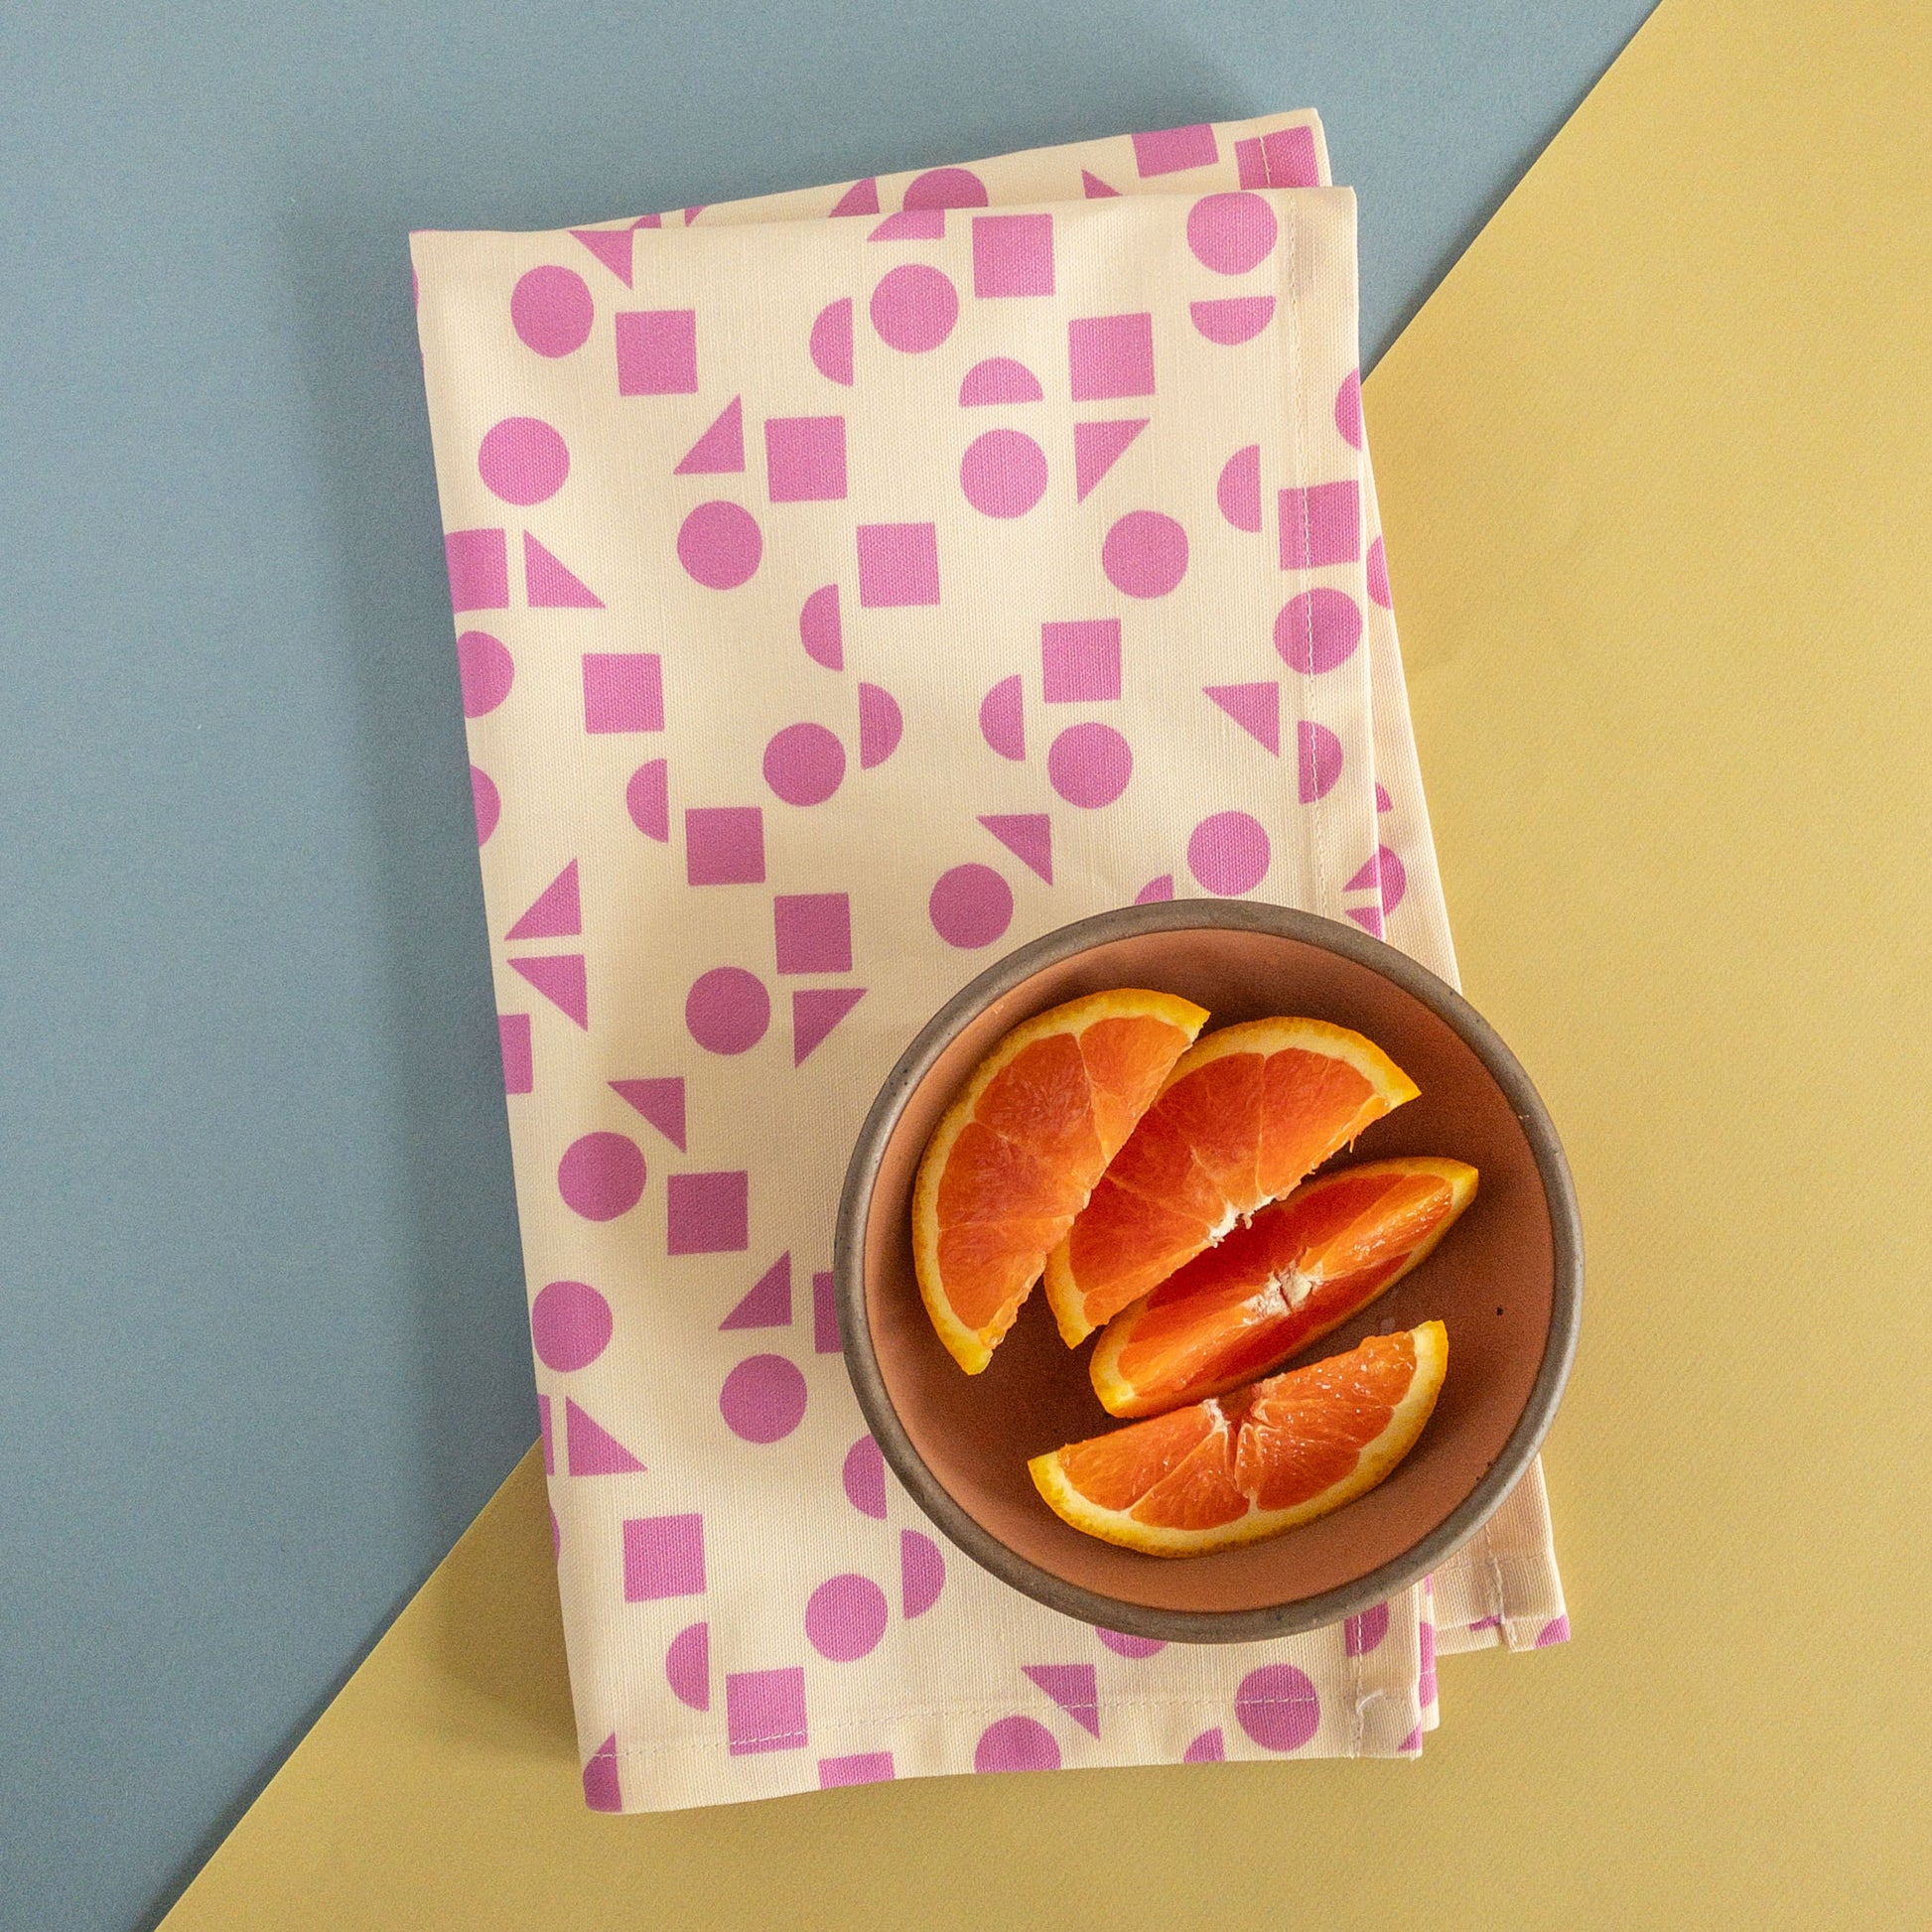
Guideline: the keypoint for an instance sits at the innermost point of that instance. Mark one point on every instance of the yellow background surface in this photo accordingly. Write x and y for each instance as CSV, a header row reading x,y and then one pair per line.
x,y
1656,465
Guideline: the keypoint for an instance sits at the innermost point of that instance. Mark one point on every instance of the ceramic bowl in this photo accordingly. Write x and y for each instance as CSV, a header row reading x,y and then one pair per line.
x,y
1507,1281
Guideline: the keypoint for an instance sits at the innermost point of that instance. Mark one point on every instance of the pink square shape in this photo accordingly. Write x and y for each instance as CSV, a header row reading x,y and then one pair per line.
x,y
479,570
623,691
1171,150
1079,663
663,1555
513,1032
724,845
1111,355
1013,254
814,932
898,564
862,1768
1290,157
708,1213
765,1710
658,351
804,458
1322,524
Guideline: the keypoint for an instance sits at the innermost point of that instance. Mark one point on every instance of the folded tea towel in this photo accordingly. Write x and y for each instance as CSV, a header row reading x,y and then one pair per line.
x,y
842,603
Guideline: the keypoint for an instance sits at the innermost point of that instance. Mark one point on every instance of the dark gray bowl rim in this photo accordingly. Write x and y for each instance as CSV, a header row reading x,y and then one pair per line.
x,y
1209,1626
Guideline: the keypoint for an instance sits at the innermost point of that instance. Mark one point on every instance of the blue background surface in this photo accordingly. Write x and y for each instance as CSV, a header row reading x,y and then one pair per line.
x,y
262,1349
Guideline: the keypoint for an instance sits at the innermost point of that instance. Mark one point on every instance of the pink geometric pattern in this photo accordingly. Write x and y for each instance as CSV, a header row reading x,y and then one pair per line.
x,y
708,1213
1175,150
765,1711
663,1555
1013,254
623,691
899,565
1110,357
1322,524
813,932
1080,662
805,459
658,353
840,772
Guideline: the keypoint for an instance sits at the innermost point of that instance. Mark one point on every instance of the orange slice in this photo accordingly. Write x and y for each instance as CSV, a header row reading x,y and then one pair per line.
x,y
1241,1467
1245,1116
1298,1270
1015,1156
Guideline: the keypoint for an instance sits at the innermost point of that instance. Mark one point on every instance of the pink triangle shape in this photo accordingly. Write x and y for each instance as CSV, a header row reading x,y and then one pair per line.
x,y
1368,918
612,246
1097,189
661,1102
769,1304
1028,836
1071,1687
861,198
815,1013
593,1451
549,586
1097,448
561,980
555,913
720,451
1256,708
1370,874
648,221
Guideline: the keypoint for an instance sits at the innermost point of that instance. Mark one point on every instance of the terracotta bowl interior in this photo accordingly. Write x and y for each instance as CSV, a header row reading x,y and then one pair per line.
x,y
1492,1282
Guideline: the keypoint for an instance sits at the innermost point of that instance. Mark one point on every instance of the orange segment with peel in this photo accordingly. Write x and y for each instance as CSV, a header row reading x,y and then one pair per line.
x,y
1244,1117
1293,1274
1242,1467
1015,1157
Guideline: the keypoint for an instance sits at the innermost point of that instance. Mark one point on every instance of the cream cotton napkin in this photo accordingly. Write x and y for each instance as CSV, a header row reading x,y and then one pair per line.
x,y
841,603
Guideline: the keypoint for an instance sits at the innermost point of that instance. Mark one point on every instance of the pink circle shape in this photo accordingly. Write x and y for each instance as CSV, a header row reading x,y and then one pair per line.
x,y
687,1666
881,724
523,461
914,307
970,907
1231,233
1238,491
551,309
1145,554
1016,1744
1125,1646
1317,758
1229,854
1363,1634
1155,892
720,545
864,1477
1349,409
1089,764
1278,1708
819,629
804,764
1318,630
764,1399
845,1617
945,188
570,1324
1003,719
922,1571
601,1175
1378,575
728,1010
488,805
486,670
1003,473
